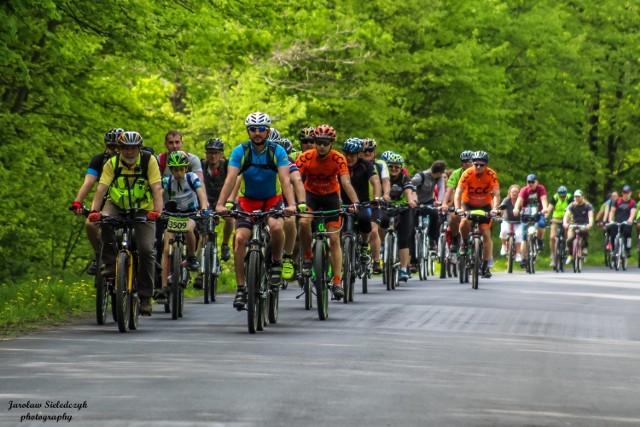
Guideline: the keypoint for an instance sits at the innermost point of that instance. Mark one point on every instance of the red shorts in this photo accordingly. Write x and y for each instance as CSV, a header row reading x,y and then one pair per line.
x,y
250,205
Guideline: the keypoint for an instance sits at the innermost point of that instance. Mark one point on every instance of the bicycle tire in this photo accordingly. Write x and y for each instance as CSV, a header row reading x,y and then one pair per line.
x,y
388,262
562,254
175,282
420,255
253,277
365,279
320,281
134,312
114,311
511,253
123,302
477,262
442,255
624,261
102,299
274,301
215,272
207,273
616,251
347,266
462,266
431,264
308,293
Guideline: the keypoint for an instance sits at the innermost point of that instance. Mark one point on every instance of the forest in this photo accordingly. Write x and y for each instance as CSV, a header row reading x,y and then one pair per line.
x,y
548,87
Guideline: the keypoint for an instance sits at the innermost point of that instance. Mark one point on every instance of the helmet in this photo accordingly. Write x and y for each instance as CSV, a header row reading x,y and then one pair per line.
x,y
286,144
562,190
466,155
274,135
369,144
352,146
258,119
214,144
396,158
385,156
177,158
130,138
481,156
111,137
324,132
306,134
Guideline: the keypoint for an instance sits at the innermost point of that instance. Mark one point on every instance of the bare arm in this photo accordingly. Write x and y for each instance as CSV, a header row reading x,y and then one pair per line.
x,y
377,188
285,184
386,189
298,186
227,188
89,180
101,191
457,199
156,192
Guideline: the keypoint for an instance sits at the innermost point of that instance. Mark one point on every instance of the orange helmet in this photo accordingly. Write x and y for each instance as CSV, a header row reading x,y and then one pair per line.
x,y
324,132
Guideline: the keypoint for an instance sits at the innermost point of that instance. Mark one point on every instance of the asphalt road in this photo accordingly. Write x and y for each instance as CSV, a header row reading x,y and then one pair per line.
x,y
543,350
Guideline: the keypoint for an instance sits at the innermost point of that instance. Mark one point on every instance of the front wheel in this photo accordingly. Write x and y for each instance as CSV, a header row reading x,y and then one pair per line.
x,y
123,300
348,271
102,299
477,262
442,255
274,299
207,275
511,253
253,277
320,260
175,283
389,272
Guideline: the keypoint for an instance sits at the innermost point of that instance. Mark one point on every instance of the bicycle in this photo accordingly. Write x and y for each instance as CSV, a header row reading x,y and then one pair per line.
x,y
447,263
304,280
390,257
262,299
618,254
470,260
178,274
576,248
511,245
530,218
606,246
560,254
210,267
125,281
424,256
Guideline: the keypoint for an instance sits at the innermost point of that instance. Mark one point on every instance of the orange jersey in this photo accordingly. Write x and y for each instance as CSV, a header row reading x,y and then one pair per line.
x,y
477,188
321,174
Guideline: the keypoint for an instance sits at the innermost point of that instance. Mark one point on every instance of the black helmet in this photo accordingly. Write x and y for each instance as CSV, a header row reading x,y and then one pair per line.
x,y
111,137
214,144
306,134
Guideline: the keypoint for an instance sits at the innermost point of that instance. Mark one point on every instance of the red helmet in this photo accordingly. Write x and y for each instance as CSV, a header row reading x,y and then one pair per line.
x,y
324,132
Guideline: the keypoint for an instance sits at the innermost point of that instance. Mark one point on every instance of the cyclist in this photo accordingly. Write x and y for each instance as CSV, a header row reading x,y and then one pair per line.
x,y
578,212
532,197
427,183
623,211
290,228
173,142
508,203
603,213
379,219
478,188
186,190
325,170
402,192
93,174
557,207
264,167
362,173
466,157
306,141
132,180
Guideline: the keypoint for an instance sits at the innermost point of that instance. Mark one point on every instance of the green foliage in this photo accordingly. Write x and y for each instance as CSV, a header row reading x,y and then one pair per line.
x,y
550,87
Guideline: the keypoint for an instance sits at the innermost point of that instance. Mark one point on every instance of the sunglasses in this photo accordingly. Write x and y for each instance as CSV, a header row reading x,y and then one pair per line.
x,y
323,143
307,141
394,166
479,165
369,150
257,128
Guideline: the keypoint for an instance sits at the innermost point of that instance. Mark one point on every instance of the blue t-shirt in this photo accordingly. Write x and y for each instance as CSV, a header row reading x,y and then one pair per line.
x,y
259,183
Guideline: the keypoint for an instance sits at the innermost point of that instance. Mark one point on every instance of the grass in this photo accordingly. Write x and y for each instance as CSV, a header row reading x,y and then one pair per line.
x,y
43,302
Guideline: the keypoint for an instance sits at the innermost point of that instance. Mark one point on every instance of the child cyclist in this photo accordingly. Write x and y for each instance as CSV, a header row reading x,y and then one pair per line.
x,y
186,190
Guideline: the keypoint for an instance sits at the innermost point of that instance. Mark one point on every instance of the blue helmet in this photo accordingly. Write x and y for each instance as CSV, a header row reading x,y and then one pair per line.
x,y
352,146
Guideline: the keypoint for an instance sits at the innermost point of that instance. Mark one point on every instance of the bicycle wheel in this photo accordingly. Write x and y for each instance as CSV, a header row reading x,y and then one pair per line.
x,y
347,266
431,263
462,267
420,255
574,252
511,253
562,255
274,300
102,299
477,262
123,300
365,278
175,282
616,251
112,297
253,277
135,311
207,273
388,262
320,281
624,261
442,255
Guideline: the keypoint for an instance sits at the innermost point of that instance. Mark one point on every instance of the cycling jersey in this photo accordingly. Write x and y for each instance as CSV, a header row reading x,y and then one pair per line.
x,y
194,163
623,209
259,181
476,189
321,173
398,186
181,191
560,205
214,179
453,180
96,164
130,181
360,175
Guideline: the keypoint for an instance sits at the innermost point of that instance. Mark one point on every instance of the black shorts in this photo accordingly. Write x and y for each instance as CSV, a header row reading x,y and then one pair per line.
x,y
329,202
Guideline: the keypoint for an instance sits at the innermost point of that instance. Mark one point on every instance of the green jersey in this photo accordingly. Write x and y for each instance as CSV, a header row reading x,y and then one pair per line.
x,y
454,178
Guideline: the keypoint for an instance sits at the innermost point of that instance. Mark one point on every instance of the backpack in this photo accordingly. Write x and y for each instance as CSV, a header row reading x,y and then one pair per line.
x,y
189,181
128,195
247,157
162,160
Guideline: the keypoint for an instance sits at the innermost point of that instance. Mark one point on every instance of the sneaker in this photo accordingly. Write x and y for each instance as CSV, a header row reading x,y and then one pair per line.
x,y
518,257
307,266
377,267
108,271
365,254
161,295
192,263
226,253
569,260
93,268
503,250
145,306
241,298
453,257
462,250
608,247
276,275
486,273
197,283
288,269
552,263
338,292
523,263
404,275
540,245
490,265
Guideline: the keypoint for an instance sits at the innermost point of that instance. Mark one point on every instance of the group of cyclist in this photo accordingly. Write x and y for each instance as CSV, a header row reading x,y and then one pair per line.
x,y
266,173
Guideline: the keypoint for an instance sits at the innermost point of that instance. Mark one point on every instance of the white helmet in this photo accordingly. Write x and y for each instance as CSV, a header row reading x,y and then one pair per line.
x,y
257,119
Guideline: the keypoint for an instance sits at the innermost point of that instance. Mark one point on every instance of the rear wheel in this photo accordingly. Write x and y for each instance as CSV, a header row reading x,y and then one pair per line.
x,y
274,300
253,278
442,255
123,300
102,299
462,267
